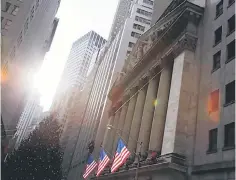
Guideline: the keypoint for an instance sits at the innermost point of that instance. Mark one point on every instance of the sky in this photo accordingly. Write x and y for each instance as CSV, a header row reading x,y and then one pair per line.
x,y
76,18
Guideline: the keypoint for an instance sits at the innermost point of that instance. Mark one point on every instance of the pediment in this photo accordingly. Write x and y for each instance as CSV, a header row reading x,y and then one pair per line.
x,y
173,12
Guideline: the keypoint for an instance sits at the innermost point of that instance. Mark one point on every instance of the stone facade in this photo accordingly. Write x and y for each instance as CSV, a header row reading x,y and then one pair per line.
x,y
168,82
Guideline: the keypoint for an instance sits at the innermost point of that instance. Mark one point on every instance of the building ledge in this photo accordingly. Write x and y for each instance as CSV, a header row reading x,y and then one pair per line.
x,y
206,168
145,169
171,162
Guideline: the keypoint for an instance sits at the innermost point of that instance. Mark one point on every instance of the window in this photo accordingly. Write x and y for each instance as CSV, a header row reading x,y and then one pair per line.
x,y
148,2
216,60
231,24
214,101
131,44
142,20
134,34
219,8
15,10
143,12
32,13
231,51
231,2
7,25
7,6
218,35
229,135
230,92
212,140
139,27
26,26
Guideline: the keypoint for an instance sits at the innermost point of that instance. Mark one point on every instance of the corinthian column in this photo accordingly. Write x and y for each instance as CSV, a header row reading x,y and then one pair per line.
x,y
123,114
158,123
129,115
147,117
114,132
120,124
106,140
134,131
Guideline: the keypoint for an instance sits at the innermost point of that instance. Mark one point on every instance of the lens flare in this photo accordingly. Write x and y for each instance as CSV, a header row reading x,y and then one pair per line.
x,y
155,102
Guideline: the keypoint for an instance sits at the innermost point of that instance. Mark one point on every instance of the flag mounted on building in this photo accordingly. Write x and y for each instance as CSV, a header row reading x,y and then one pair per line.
x,y
103,161
122,153
91,165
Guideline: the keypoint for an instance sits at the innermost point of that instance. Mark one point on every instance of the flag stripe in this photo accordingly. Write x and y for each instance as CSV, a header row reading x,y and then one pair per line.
x,y
122,157
103,165
91,166
89,169
122,153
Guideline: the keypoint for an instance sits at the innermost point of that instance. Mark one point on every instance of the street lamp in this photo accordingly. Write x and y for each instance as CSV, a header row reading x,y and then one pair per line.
x,y
110,127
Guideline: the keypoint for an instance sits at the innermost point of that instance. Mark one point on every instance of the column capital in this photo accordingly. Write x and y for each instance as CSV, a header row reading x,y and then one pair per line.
x,y
143,81
132,91
153,72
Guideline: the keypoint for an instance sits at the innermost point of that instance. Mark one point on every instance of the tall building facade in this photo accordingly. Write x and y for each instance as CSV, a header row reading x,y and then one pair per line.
x,y
28,119
26,26
176,110
122,12
79,59
104,68
75,71
75,121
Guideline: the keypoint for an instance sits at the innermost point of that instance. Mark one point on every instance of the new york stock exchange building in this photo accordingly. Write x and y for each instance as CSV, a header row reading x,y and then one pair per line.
x,y
174,106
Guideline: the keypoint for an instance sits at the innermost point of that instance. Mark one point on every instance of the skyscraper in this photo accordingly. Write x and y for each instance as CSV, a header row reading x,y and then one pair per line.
x,y
80,57
76,68
26,25
122,12
28,118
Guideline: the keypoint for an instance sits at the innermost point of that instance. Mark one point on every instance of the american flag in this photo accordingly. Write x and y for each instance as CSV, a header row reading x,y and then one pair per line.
x,y
103,161
122,153
91,165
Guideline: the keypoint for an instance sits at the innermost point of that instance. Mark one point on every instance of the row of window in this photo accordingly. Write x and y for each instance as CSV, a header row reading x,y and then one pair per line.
x,y
230,56
11,9
229,138
7,25
231,28
229,97
26,26
148,2
219,7
143,12
134,34
139,27
142,20
131,44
